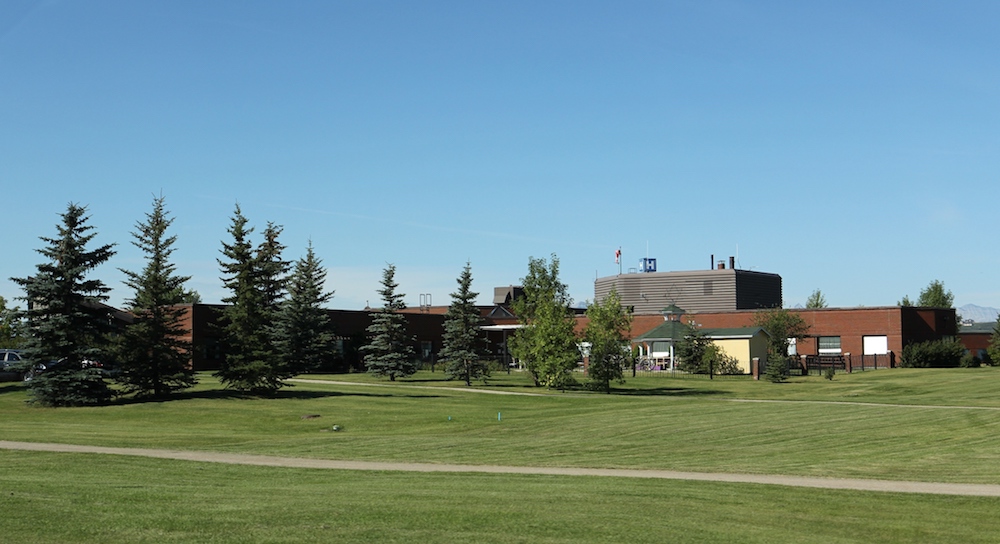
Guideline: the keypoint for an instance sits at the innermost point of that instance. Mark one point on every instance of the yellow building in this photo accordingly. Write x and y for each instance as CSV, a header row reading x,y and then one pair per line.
x,y
743,344
656,347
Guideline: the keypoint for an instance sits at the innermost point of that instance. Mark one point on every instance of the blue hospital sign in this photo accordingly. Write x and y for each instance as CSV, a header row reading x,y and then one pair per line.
x,y
647,265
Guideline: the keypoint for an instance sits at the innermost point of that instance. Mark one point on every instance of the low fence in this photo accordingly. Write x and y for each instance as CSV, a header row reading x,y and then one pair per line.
x,y
804,365
847,362
660,366
874,362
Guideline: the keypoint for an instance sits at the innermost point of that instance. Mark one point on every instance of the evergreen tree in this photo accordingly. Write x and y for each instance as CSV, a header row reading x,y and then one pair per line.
x,y
546,342
303,337
248,364
272,271
66,319
607,332
464,349
692,350
154,358
388,351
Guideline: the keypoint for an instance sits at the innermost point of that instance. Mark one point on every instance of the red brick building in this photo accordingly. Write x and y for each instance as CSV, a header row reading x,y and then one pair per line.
x,y
877,331
858,331
976,338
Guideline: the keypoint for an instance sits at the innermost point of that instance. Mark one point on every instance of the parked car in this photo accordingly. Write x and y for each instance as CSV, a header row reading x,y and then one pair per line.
x,y
9,359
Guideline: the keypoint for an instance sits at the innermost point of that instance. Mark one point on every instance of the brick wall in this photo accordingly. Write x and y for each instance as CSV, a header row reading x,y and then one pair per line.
x,y
899,325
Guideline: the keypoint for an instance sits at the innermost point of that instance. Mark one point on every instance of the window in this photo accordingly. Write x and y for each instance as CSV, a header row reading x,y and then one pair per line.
x,y
829,345
661,347
875,345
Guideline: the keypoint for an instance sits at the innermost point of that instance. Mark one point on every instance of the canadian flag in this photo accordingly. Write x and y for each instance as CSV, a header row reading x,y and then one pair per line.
x,y
618,256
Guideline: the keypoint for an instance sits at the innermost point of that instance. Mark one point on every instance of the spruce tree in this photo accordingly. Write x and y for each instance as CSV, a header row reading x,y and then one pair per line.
x,y
154,358
66,319
272,271
464,349
691,350
388,351
303,336
246,365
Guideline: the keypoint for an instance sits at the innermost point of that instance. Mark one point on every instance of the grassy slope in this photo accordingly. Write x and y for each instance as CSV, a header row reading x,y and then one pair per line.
x,y
658,423
53,498
682,424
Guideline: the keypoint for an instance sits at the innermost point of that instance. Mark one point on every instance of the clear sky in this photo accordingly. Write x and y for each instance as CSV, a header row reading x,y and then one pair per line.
x,y
848,146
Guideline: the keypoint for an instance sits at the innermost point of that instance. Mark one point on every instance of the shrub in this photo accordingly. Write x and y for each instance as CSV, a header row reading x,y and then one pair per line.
x,y
987,360
829,372
727,365
777,369
944,353
712,358
970,361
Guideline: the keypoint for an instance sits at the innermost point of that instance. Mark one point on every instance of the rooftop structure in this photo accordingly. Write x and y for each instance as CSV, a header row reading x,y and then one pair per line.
x,y
717,290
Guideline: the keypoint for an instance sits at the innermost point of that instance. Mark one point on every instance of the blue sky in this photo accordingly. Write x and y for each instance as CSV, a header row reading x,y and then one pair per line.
x,y
847,146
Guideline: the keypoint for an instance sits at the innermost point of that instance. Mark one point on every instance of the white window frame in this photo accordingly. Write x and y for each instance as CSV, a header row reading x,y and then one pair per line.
x,y
829,349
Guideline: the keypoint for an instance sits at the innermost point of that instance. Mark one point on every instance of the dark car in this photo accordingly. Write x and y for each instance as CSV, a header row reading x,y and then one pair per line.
x,y
9,359
11,372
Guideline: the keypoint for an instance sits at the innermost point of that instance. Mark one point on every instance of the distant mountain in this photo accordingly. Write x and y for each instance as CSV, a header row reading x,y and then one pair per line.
x,y
978,314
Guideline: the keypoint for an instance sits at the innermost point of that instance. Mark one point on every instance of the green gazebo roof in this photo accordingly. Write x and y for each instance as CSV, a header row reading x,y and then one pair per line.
x,y
668,330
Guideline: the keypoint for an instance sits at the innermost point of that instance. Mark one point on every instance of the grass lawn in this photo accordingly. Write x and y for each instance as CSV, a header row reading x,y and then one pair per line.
x,y
944,387
54,498
686,423
679,424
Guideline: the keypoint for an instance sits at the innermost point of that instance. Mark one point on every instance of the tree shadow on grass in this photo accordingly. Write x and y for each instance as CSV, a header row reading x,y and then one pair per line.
x,y
11,387
421,380
229,394
668,392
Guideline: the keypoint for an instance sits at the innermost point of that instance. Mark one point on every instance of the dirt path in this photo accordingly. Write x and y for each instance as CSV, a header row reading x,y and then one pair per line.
x,y
984,490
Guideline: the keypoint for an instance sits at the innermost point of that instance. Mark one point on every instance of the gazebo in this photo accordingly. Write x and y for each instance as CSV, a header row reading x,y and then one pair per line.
x,y
659,342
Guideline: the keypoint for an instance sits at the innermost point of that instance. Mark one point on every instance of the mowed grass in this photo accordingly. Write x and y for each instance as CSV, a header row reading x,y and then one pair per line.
x,y
657,423
940,387
670,423
64,498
